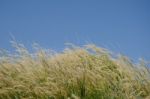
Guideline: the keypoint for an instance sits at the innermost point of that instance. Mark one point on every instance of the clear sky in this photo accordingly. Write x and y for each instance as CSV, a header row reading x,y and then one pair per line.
x,y
119,25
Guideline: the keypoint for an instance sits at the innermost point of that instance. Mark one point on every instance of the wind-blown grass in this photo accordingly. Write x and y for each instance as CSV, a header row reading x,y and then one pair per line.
x,y
87,72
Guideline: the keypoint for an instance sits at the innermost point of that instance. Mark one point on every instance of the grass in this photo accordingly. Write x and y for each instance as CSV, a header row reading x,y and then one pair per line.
x,y
87,72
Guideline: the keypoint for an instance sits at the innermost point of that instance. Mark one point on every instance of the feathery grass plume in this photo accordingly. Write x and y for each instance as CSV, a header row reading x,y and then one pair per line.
x,y
87,72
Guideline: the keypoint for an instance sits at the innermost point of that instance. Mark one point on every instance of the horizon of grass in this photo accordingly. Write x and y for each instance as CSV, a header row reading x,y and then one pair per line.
x,y
87,72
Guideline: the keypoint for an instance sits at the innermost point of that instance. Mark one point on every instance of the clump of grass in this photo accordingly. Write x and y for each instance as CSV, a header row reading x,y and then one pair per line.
x,y
87,72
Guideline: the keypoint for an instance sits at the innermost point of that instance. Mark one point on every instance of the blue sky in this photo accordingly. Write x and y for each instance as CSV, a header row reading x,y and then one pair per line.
x,y
122,26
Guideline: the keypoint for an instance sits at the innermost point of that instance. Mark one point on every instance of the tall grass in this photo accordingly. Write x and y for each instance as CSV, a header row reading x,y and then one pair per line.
x,y
87,72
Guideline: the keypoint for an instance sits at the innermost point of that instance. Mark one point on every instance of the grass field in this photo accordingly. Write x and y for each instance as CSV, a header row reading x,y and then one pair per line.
x,y
87,72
